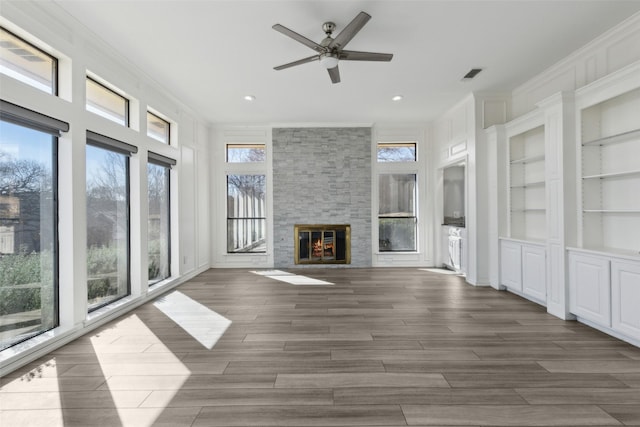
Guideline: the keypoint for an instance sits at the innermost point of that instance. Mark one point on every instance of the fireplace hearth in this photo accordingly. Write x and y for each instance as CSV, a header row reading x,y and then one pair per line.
x,y
322,244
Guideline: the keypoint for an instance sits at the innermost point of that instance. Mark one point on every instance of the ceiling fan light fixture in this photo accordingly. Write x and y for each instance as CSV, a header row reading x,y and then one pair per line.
x,y
397,98
249,98
329,60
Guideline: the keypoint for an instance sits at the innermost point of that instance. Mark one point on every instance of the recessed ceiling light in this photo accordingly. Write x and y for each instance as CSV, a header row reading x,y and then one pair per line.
x,y
249,98
397,98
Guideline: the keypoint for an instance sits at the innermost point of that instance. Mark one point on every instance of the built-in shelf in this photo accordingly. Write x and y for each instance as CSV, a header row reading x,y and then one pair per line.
x,y
608,159
613,174
614,139
530,184
528,159
526,180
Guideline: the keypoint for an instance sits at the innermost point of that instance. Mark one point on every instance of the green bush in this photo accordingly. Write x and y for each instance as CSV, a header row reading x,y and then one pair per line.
x,y
98,288
101,260
19,269
18,300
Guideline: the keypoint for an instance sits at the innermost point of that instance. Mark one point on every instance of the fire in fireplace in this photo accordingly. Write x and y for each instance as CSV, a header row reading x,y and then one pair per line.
x,y
322,244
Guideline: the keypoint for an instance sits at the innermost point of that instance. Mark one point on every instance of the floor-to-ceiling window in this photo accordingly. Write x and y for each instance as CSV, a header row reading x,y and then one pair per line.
x,y
159,220
397,197
246,198
108,256
246,217
28,223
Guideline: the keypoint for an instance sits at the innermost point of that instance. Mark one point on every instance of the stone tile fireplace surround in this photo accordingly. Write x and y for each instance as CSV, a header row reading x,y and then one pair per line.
x,y
322,176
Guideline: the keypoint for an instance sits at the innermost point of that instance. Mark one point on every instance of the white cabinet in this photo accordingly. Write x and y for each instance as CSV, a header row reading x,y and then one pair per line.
x,y
453,251
523,269
510,265
533,272
590,288
625,298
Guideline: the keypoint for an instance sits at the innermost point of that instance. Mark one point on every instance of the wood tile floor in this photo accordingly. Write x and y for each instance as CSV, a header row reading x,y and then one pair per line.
x,y
379,347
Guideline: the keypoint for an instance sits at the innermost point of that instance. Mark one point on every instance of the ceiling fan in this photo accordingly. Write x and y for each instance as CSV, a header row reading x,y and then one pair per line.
x,y
331,50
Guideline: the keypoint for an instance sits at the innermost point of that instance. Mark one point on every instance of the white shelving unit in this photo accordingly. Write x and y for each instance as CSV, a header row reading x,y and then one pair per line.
x,y
610,174
522,197
604,277
526,178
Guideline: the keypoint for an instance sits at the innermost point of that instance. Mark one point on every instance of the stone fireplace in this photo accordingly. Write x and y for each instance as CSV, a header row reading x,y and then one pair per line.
x,y
322,244
321,178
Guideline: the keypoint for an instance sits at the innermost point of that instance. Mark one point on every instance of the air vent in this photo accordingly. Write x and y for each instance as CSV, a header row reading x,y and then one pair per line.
x,y
472,73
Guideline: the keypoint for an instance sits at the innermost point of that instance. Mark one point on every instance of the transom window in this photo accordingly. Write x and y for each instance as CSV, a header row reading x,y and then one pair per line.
x,y
106,103
396,152
245,153
25,62
158,128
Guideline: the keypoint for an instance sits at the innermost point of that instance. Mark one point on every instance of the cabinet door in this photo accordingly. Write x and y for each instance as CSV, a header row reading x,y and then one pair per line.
x,y
534,277
510,266
444,246
590,288
625,297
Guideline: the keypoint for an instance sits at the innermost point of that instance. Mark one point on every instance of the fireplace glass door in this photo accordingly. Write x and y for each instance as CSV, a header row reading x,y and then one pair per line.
x,y
322,244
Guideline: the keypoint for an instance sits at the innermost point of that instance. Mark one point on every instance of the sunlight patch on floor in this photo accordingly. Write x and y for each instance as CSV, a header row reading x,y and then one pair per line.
x,y
202,323
293,279
440,271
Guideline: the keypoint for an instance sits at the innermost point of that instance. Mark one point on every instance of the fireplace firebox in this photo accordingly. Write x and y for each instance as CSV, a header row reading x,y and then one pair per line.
x,y
322,244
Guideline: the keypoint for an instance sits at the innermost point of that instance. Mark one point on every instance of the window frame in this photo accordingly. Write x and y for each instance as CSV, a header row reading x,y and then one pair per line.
x,y
19,116
415,215
113,145
248,145
54,64
168,133
127,102
228,218
389,144
168,163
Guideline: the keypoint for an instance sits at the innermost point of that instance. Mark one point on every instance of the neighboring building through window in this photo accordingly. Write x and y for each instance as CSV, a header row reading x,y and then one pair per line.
x,y
397,219
397,197
28,224
245,153
25,62
107,103
159,221
246,213
108,277
158,128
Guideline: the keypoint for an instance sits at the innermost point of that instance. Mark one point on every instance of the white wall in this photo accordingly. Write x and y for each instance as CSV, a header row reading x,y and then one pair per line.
x,y
80,52
609,52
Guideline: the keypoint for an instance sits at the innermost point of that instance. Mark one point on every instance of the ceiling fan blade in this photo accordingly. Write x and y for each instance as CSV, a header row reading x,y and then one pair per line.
x,y
299,38
334,73
298,62
350,31
354,55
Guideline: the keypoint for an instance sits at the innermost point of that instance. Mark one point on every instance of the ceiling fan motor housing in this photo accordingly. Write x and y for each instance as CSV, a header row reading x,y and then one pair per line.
x,y
328,27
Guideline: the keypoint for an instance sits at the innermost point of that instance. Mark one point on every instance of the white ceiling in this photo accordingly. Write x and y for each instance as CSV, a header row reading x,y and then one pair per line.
x,y
209,54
